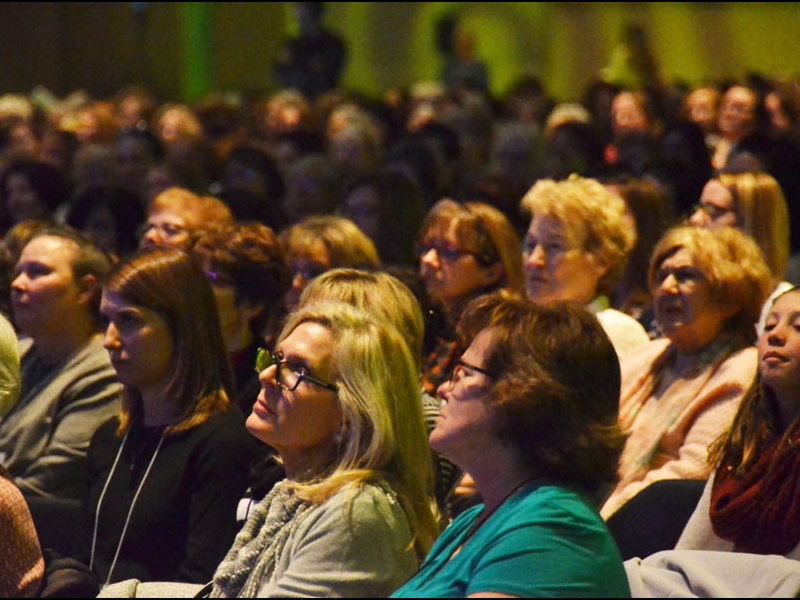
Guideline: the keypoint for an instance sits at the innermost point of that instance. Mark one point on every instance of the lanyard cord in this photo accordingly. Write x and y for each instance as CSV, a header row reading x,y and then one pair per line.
x,y
130,510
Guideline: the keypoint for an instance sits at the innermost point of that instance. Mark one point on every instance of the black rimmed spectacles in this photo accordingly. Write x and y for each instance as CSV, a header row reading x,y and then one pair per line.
x,y
458,372
287,375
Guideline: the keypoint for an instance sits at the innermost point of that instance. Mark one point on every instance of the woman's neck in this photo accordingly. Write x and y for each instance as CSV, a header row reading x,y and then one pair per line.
x,y
52,350
307,464
499,478
157,410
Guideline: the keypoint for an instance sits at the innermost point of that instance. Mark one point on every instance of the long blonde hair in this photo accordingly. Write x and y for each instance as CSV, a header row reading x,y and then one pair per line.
x,y
383,432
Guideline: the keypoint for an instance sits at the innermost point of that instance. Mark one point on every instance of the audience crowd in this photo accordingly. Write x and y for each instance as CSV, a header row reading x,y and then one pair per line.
x,y
314,343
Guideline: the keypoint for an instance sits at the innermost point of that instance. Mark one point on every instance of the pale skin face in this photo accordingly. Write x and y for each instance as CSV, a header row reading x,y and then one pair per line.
x,y
140,345
684,308
44,291
165,227
554,270
451,275
301,424
779,351
737,112
464,423
716,209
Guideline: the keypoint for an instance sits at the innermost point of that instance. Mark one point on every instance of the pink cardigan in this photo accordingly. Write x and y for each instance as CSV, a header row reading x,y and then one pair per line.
x,y
670,434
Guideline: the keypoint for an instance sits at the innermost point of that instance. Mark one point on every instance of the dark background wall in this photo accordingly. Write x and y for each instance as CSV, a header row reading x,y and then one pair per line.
x,y
183,50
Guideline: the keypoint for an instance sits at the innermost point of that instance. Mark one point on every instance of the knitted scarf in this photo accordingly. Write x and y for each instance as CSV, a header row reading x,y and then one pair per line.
x,y
760,511
252,558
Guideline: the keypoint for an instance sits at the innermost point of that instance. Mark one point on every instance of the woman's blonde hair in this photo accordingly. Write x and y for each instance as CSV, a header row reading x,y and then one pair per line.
x,y
594,220
376,291
762,213
383,435
346,244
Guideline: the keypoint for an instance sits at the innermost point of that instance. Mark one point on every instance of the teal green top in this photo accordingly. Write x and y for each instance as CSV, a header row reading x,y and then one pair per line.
x,y
544,541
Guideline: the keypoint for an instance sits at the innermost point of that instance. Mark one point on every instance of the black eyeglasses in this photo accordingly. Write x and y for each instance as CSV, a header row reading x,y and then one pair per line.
x,y
287,375
448,254
458,372
713,212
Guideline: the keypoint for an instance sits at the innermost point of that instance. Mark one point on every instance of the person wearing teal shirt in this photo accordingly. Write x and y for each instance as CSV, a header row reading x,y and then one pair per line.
x,y
531,413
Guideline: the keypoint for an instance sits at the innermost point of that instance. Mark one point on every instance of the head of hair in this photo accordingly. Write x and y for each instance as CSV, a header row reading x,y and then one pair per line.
x,y
757,422
199,211
556,384
481,229
762,213
383,433
169,282
732,264
48,182
123,206
250,258
87,259
401,210
375,291
346,244
593,218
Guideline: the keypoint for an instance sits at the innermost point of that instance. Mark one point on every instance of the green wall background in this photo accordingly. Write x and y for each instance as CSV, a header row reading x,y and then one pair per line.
x,y
185,50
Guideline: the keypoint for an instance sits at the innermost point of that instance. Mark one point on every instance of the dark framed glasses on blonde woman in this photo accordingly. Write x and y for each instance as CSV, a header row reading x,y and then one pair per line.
x,y
288,375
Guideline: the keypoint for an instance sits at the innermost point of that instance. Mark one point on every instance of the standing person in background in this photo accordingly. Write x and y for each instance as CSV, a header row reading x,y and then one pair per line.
x,y
163,477
313,61
69,387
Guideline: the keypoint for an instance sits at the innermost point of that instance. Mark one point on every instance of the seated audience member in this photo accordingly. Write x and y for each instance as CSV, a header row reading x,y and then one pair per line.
x,y
31,190
531,415
681,392
743,539
69,387
576,248
355,515
22,564
391,299
750,503
111,217
322,242
388,207
176,213
465,250
248,272
164,476
754,203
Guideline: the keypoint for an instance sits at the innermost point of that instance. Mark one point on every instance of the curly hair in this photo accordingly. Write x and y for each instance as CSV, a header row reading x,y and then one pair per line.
x,y
556,386
595,220
731,262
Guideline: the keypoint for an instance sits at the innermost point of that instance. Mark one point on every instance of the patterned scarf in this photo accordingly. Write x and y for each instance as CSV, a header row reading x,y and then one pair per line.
x,y
760,511
252,558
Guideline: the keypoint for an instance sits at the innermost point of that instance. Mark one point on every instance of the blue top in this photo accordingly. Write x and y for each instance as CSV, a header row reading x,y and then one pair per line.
x,y
544,541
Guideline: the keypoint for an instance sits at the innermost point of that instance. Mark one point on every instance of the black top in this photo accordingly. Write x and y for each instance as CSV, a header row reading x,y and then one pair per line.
x,y
184,520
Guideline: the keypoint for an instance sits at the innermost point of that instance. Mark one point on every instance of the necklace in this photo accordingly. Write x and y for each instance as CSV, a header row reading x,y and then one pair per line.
x,y
485,516
130,509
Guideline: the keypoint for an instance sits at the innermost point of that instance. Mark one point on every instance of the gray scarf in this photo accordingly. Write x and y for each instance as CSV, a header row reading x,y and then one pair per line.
x,y
257,547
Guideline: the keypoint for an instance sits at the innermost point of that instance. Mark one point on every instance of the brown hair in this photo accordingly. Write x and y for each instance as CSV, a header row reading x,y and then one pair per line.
x,y
168,281
556,386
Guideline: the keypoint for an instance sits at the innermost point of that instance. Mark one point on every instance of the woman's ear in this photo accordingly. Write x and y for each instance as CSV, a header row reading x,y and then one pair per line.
x,y
87,285
493,273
